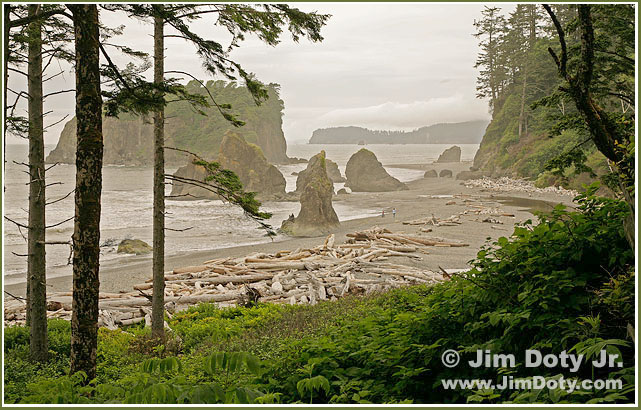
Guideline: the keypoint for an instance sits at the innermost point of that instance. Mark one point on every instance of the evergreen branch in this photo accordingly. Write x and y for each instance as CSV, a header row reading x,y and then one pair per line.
x,y
40,16
115,69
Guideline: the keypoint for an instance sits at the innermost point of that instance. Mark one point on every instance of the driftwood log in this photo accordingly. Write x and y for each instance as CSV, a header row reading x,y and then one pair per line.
x,y
308,275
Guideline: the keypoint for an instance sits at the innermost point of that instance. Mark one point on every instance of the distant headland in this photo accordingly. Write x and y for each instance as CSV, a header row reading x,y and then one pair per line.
x,y
468,132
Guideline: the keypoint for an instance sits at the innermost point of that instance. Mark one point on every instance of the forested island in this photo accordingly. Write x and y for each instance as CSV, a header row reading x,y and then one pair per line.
x,y
469,132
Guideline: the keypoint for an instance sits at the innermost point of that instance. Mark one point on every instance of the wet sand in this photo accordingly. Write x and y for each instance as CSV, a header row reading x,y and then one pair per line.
x,y
415,203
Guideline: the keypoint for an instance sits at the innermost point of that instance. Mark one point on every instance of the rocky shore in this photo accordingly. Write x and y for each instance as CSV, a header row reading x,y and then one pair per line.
x,y
505,184
440,198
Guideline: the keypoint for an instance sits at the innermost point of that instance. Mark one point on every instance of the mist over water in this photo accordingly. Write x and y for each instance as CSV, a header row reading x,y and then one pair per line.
x,y
127,206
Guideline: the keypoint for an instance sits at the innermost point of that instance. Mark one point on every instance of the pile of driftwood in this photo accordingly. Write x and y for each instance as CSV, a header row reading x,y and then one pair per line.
x,y
484,210
505,184
383,237
451,221
301,276
487,210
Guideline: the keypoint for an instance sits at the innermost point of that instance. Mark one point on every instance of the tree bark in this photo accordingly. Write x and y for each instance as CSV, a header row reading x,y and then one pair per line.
x,y
89,152
604,130
523,97
6,34
158,268
36,265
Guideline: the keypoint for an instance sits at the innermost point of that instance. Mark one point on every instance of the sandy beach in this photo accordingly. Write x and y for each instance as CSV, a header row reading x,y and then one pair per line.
x,y
425,197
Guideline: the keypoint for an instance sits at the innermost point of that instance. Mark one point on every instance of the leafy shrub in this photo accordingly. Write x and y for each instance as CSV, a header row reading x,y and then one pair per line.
x,y
530,291
566,283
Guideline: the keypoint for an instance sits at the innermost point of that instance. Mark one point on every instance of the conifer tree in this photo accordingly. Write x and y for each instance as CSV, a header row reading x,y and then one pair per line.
x,y
492,74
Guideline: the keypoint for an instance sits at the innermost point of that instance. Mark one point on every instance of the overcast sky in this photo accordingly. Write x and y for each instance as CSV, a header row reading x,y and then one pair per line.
x,y
381,66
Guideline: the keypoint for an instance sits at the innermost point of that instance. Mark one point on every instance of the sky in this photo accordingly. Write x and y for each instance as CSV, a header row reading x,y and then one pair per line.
x,y
380,66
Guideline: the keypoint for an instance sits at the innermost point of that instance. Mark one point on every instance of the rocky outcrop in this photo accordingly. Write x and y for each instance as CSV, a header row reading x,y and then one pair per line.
x,y
251,166
331,168
128,140
184,190
366,174
430,174
333,172
445,173
317,215
245,160
135,246
452,154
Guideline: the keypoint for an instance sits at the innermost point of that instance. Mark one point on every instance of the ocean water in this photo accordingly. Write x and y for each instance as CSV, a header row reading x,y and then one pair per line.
x,y
127,206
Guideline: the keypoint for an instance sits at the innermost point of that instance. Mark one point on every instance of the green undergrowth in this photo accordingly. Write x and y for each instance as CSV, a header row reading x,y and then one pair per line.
x,y
563,284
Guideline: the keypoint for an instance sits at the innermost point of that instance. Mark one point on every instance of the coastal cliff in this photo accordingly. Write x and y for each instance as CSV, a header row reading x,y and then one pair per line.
x,y
128,140
503,152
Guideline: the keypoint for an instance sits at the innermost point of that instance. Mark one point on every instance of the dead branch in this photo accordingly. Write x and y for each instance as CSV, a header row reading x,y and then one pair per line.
x,y
59,223
60,199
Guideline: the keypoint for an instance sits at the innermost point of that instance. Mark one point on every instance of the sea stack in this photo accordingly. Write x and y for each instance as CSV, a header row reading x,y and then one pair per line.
x,y
366,174
452,154
333,173
184,190
317,216
251,166
247,161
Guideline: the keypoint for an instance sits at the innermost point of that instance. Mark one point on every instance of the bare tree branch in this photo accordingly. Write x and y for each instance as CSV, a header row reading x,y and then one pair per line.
x,y
58,92
62,198
560,62
59,223
18,298
179,230
55,123
16,223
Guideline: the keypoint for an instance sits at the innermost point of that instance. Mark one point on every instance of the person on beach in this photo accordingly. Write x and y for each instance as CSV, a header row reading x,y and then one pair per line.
x,y
383,214
394,212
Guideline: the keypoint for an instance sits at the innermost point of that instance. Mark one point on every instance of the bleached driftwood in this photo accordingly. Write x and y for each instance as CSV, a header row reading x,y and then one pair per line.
x,y
304,275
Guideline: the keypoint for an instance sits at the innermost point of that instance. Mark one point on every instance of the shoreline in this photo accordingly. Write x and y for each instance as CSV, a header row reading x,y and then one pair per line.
x,y
426,197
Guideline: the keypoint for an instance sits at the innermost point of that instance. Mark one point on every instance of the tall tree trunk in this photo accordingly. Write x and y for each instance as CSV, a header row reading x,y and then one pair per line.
x,y
531,16
158,297
532,24
523,98
6,34
36,266
89,151
492,72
